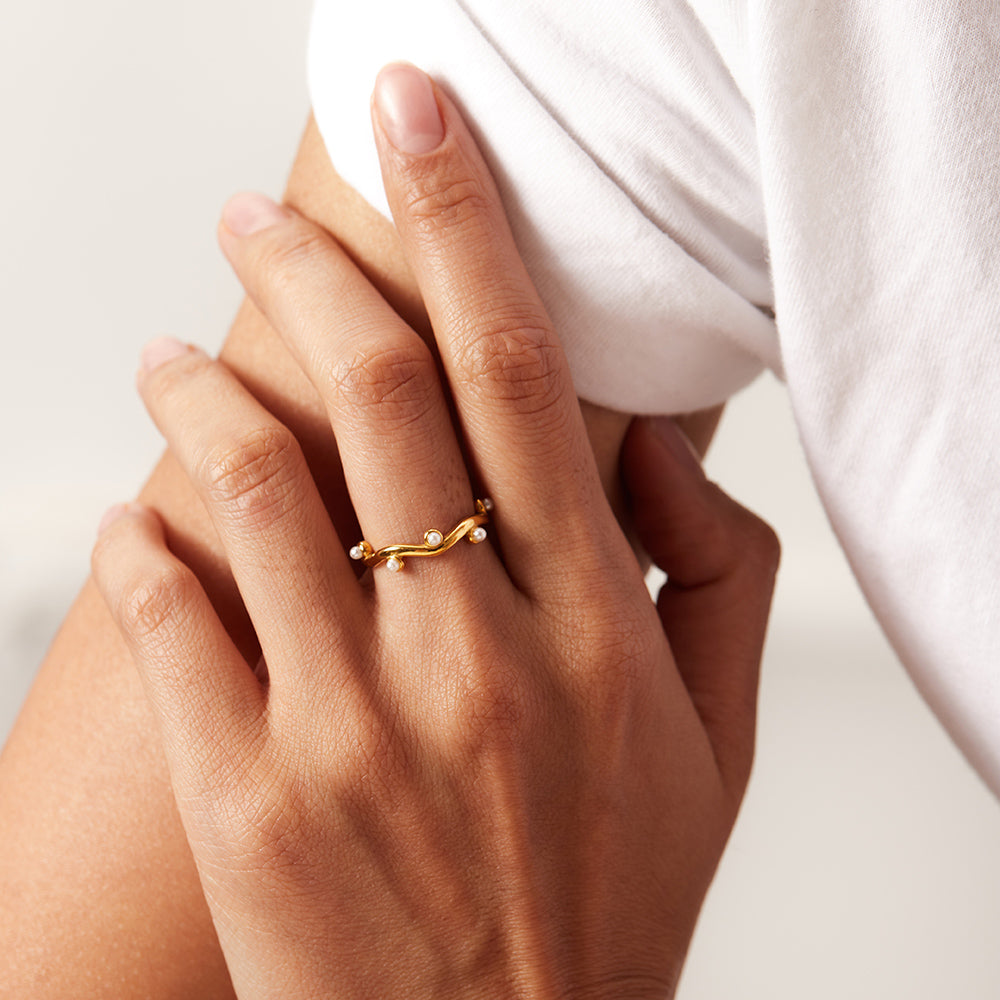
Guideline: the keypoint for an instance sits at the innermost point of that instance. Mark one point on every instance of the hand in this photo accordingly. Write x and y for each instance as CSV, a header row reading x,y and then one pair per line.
x,y
498,771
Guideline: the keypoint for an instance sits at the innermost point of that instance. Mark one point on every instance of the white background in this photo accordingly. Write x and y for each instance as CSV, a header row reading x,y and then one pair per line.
x,y
867,860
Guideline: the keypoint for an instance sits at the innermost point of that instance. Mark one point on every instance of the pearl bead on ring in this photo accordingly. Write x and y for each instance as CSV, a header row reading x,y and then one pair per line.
x,y
435,542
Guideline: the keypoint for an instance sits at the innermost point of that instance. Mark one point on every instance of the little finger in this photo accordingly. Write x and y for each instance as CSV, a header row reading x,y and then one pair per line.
x,y
204,694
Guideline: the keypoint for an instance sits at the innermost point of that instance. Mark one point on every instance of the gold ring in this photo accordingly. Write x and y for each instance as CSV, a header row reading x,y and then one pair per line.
x,y
435,542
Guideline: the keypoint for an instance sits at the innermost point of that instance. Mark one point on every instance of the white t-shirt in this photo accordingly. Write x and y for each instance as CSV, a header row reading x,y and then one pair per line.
x,y
678,172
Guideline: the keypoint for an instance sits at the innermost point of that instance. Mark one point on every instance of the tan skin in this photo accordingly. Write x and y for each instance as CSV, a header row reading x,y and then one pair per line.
x,y
101,897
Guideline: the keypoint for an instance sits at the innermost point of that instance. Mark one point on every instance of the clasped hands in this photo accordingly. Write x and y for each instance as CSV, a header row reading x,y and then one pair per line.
x,y
501,772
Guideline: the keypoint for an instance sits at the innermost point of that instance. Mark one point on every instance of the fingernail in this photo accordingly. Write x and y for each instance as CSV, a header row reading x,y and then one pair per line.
x,y
677,443
407,109
249,212
160,351
111,515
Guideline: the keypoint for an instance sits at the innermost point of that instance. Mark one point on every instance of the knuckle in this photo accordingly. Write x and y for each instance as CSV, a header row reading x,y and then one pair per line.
x,y
620,651
267,823
446,202
279,261
495,705
253,479
272,820
717,530
375,759
150,605
174,377
514,361
494,726
397,380
497,709
760,544
735,537
615,652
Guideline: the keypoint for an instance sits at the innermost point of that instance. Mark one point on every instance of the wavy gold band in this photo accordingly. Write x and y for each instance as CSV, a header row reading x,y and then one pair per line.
x,y
435,542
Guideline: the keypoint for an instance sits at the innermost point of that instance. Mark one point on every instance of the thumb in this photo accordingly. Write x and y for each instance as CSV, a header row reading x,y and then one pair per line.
x,y
720,561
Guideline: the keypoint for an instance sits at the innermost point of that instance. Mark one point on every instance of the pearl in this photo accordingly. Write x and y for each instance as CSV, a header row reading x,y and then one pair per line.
x,y
488,503
433,538
477,535
394,563
357,552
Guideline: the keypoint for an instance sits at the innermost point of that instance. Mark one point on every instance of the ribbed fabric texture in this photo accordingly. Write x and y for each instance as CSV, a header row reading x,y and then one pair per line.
x,y
673,171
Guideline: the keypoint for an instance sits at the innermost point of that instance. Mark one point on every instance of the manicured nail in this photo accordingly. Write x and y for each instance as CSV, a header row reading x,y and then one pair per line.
x,y
249,212
677,443
111,515
407,109
160,351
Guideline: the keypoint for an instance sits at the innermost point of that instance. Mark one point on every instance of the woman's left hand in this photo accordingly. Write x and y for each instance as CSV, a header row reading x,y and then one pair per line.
x,y
500,771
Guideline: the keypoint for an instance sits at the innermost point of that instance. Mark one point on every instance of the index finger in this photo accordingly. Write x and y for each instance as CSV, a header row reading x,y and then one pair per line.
x,y
506,369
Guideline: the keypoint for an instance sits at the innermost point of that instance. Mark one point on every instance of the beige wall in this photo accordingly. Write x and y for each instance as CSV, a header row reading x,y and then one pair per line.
x,y
867,861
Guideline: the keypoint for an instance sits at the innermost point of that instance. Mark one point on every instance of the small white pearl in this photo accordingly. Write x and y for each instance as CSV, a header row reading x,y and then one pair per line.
x,y
357,552
488,503
433,538
477,535
394,564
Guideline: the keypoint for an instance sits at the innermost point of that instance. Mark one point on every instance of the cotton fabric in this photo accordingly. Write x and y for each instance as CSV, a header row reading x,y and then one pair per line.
x,y
679,173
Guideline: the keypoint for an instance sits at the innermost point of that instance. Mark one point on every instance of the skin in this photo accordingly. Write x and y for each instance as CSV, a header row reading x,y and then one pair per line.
x,y
101,896
531,799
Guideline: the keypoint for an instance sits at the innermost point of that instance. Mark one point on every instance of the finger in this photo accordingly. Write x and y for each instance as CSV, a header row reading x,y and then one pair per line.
x,y
202,691
254,481
504,364
379,380
721,562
